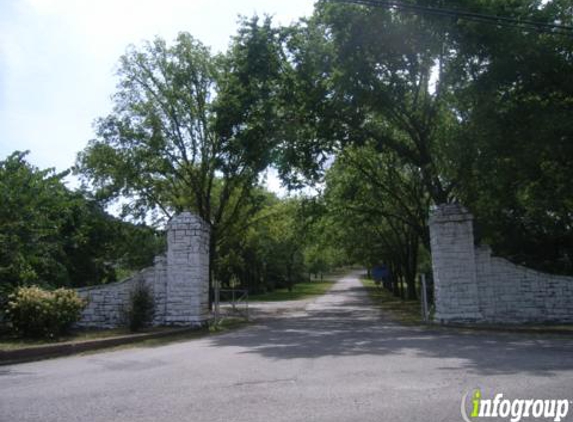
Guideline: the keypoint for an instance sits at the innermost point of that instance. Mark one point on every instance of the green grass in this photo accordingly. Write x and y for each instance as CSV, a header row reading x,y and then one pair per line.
x,y
305,290
403,311
300,291
10,342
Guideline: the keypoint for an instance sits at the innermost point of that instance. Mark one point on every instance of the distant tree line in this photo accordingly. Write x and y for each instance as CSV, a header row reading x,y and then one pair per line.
x,y
384,113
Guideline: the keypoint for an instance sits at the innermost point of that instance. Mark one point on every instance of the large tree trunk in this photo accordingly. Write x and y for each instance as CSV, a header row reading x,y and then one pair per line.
x,y
395,282
412,266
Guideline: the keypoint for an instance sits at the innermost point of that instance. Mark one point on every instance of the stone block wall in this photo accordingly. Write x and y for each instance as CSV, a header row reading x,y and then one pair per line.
x,y
178,280
513,293
106,303
473,286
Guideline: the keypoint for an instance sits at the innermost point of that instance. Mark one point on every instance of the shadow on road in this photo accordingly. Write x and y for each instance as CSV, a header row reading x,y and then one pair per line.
x,y
344,323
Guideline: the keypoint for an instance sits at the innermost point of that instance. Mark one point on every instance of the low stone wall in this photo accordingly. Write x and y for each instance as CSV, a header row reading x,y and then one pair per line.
x,y
473,286
179,282
512,293
106,304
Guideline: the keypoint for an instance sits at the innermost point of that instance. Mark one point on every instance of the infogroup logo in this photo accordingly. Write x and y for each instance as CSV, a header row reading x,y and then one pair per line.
x,y
512,409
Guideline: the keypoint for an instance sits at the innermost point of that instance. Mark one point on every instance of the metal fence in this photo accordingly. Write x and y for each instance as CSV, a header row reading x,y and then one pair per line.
x,y
230,303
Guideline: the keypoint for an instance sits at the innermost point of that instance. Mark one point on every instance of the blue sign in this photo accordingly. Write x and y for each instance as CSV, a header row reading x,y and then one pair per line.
x,y
379,272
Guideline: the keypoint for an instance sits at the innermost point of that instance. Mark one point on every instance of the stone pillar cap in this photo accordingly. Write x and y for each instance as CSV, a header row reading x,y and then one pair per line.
x,y
449,213
187,217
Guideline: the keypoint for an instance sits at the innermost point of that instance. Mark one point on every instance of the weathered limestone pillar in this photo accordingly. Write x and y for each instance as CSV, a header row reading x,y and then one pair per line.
x,y
187,287
160,288
453,264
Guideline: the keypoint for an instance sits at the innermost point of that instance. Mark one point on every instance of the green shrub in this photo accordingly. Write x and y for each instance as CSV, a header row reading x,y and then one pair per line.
x,y
6,290
35,312
141,307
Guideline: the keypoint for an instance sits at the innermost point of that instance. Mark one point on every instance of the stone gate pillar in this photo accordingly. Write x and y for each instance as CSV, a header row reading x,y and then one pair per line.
x,y
453,264
187,286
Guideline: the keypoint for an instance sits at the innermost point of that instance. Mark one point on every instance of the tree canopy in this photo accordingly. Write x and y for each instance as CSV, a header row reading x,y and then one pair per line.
x,y
385,111
52,236
477,116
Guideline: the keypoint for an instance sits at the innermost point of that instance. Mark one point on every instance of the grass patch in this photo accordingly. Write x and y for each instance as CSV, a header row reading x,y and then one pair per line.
x,y
403,311
299,291
9,342
306,290
16,351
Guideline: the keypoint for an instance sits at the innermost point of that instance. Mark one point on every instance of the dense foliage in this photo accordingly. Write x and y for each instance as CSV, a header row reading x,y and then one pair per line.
x,y
466,114
385,113
52,236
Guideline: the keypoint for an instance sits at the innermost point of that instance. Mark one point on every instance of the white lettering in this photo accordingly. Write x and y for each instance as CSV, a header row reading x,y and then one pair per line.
x,y
562,410
517,410
537,410
485,408
504,408
496,401
528,404
549,411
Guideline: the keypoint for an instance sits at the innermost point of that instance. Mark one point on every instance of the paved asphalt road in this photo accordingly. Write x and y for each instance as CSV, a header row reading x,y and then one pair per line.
x,y
336,359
